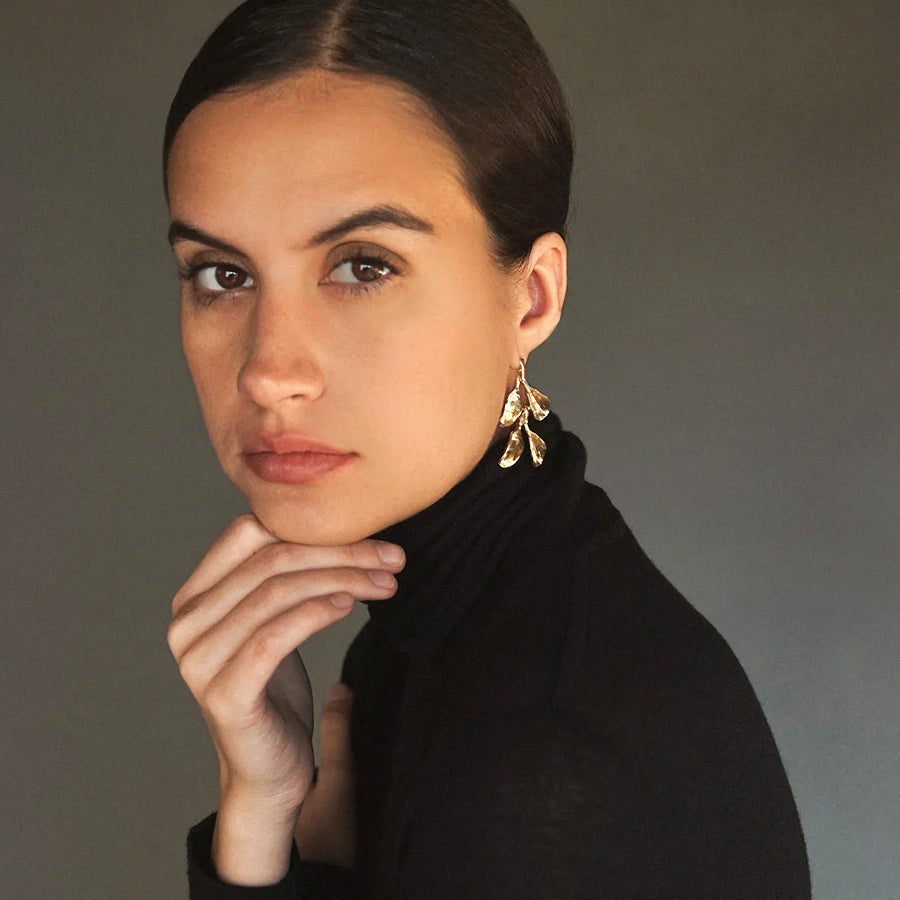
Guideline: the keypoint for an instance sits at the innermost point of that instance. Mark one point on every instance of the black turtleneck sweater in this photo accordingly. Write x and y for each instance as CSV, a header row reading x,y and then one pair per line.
x,y
538,713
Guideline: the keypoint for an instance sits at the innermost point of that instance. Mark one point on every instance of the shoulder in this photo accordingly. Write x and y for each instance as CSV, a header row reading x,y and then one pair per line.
x,y
637,651
585,688
578,610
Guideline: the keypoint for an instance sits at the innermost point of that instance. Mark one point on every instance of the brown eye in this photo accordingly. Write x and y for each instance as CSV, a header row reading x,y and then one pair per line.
x,y
361,269
229,278
364,270
216,279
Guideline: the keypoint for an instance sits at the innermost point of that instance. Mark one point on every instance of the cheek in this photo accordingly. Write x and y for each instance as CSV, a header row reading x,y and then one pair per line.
x,y
210,366
471,356
446,375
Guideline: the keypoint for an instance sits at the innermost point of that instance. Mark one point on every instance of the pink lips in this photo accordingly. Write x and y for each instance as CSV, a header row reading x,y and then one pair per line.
x,y
290,458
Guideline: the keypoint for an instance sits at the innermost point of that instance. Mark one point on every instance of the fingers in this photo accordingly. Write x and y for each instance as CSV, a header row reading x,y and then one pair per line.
x,y
243,537
246,536
278,558
234,694
210,640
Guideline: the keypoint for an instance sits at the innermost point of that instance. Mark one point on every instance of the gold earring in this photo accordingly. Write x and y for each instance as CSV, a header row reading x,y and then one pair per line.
x,y
522,400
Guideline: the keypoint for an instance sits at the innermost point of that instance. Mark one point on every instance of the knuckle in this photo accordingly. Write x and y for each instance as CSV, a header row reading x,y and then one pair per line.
x,y
274,591
361,581
327,582
264,642
344,580
244,527
280,555
362,554
245,522
216,697
189,668
173,635
183,601
317,614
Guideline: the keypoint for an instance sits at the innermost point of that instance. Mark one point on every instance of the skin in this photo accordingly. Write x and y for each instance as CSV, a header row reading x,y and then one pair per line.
x,y
404,363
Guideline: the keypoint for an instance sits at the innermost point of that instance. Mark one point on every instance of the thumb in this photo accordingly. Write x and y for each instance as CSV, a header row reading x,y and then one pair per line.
x,y
326,828
336,762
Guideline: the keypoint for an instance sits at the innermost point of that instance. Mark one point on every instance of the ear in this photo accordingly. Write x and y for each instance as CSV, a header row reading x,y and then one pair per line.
x,y
541,293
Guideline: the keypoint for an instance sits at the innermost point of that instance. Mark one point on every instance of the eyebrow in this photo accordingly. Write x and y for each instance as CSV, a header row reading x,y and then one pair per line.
x,y
383,214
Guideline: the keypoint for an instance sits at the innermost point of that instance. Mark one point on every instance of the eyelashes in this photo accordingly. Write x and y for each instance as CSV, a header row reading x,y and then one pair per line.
x,y
371,269
217,278
211,282
367,270
363,271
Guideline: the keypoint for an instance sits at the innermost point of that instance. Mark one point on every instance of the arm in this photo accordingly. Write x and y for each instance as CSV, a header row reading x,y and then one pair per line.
x,y
537,806
529,806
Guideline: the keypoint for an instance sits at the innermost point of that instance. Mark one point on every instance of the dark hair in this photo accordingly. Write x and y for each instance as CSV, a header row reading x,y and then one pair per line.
x,y
475,63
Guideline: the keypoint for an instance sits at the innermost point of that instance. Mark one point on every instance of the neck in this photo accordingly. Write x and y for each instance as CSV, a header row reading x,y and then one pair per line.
x,y
454,546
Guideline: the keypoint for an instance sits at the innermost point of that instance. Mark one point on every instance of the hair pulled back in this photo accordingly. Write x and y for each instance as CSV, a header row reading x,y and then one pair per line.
x,y
475,63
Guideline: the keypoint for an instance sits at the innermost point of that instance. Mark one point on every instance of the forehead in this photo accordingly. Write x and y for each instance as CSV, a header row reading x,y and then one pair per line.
x,y
307,138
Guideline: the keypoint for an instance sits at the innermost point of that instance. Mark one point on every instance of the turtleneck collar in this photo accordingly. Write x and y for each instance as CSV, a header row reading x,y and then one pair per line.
x,y
454,546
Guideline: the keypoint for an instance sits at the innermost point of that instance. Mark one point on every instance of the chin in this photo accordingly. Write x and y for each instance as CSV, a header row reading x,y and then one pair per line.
x,y
287,524
326,524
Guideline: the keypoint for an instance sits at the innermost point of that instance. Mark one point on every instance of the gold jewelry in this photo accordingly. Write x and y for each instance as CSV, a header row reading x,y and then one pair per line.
x,y
523,399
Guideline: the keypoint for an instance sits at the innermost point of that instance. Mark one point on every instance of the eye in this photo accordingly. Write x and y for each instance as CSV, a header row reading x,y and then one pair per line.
x,y
216,278
361,270
209,282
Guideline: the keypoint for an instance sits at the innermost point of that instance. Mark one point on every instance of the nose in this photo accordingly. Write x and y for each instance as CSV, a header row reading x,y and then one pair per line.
x,y
282,360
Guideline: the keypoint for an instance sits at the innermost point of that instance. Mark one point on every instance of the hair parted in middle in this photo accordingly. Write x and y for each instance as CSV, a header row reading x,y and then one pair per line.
x,y
474,63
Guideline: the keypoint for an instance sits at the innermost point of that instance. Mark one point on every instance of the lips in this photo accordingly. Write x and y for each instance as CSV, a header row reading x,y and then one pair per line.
x,y
291,458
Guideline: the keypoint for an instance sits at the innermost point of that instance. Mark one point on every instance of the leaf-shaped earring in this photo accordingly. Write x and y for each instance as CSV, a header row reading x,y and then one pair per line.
x,y
513,408
537,402
536,443
522,401
513,450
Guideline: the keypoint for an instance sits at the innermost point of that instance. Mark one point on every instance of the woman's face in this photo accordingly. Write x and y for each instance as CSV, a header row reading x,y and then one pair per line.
x,y
338,291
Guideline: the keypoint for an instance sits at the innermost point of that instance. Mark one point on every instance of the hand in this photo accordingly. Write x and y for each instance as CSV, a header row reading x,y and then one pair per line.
x,y
237,622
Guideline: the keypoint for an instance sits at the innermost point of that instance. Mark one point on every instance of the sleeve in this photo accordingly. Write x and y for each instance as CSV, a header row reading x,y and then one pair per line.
x,y
304,880
542,806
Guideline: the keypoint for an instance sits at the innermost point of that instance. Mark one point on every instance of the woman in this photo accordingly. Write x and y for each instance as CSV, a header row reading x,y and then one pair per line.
x,y
368,204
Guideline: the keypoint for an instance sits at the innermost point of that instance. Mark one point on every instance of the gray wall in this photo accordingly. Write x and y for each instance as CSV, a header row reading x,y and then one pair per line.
x,y
728,354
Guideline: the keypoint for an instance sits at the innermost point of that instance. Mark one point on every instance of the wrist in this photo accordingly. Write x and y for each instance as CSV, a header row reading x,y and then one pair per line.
x,y
278,799
252,844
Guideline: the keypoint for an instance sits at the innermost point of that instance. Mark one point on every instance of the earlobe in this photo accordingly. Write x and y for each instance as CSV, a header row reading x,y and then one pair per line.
x,y
545,284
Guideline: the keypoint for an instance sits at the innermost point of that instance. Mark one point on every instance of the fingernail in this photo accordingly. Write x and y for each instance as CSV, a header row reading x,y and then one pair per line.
x,y
382,579
342,601
390,553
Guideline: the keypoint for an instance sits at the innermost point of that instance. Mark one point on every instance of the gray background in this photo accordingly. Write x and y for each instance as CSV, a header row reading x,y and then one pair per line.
x,y
728,354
